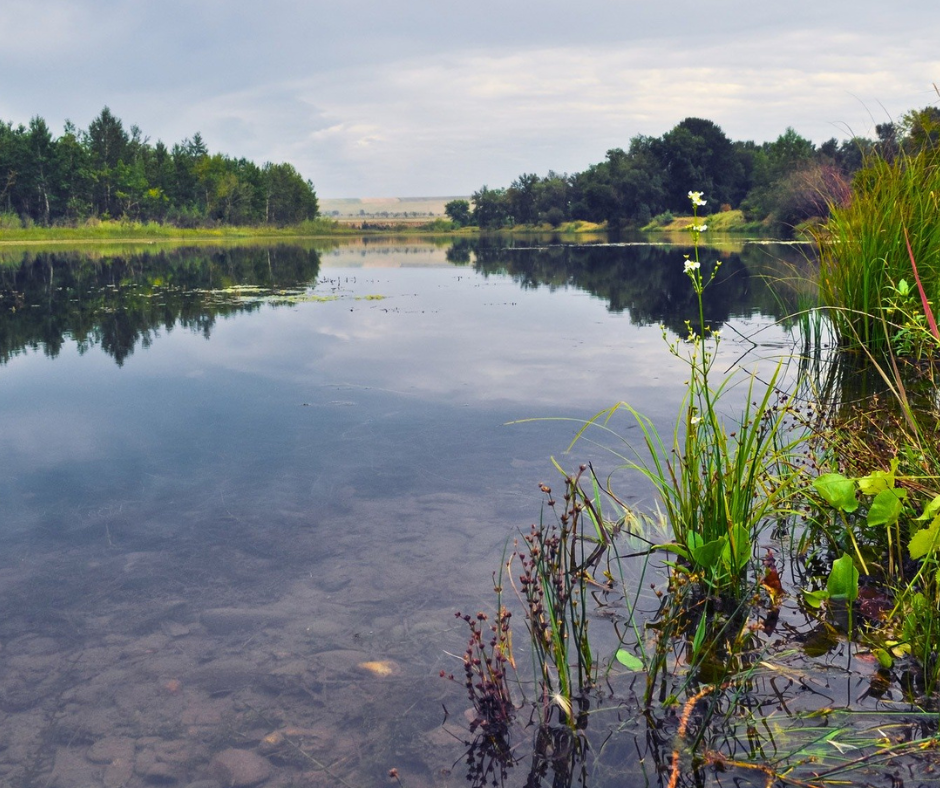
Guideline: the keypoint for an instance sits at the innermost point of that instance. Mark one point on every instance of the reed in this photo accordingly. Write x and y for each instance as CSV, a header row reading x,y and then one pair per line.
x,y
864,251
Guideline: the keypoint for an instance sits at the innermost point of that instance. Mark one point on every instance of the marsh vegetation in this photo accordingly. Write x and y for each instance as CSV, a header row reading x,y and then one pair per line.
x,y
774,610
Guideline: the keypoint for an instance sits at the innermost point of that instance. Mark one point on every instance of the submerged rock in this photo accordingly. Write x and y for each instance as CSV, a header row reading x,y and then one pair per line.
x,y
110,749
239,768
225,620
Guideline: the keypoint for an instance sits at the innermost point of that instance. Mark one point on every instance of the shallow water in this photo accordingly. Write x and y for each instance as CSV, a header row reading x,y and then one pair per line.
x,y
246,489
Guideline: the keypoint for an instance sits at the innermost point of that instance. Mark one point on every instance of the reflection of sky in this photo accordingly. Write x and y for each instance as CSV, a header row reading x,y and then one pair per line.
x,y
292,409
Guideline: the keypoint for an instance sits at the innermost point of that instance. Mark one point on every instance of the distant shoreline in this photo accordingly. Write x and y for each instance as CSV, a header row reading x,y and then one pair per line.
x,y
730,223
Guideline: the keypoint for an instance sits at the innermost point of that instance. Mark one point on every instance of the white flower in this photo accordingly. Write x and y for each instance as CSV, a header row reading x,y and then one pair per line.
x,y
699,228
691,265
696,198
695,419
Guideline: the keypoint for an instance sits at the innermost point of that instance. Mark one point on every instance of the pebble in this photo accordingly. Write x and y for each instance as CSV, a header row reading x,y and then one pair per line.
x,y
240,768
382,668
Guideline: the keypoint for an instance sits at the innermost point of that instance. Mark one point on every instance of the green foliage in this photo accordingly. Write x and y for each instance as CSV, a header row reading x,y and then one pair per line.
x,y
697,151
783,183
458,211
664,218
490,209
874,534
837,490
720,487
628,660
112,172
843,580
909,328
864,257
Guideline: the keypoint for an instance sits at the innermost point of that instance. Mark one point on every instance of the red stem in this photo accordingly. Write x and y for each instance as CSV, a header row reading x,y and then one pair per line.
x,y
923,296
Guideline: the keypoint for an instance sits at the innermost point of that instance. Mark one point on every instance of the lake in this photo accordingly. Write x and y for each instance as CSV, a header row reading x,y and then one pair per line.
x,y
246,488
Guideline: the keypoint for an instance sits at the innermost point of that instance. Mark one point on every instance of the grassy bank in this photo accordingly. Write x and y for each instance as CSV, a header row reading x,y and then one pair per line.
x,y
723,222
95,231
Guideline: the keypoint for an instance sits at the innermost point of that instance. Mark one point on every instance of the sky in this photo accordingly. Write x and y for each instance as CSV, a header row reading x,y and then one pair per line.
x,y
421,98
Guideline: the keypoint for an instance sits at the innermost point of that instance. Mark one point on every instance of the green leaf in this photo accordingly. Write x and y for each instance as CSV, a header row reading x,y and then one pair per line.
x,y
883,657
886,508
837,491
738,551
925,540
843,579
628,660
931,510
708,554
699,638
815,598
672,547
878,481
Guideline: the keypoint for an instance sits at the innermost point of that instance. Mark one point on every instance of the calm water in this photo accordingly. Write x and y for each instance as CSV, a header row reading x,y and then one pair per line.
x,y
234,479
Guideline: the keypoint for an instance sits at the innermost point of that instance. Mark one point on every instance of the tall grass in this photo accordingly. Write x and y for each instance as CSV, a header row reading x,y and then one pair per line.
x,y
722,480
863,251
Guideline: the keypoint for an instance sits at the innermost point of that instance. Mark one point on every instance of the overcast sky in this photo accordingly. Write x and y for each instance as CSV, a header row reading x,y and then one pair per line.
x,y
432,97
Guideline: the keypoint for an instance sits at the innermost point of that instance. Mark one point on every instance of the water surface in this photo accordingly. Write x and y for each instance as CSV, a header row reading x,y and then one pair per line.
x,y
236,479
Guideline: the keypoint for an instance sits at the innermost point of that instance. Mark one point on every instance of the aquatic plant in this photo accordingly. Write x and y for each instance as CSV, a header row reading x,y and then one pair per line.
x,y
559,563
868,245
724,639
486,663
721,484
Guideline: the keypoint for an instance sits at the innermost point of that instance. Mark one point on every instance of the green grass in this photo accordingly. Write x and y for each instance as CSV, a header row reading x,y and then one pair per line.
x,y
95,230
722,222
12,232
720,483
863,253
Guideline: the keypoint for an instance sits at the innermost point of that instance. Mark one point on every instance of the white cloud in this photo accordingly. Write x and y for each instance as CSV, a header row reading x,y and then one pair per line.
x,y
38,34
371,99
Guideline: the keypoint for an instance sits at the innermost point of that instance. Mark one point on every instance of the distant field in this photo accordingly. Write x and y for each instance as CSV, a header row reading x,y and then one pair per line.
x,y
385,207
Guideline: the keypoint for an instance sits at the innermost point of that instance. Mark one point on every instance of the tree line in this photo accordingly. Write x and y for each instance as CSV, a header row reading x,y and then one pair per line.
x,y
109,172
786,181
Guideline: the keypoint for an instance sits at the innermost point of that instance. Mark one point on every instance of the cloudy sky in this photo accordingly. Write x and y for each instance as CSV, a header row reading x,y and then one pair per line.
x,y
434,97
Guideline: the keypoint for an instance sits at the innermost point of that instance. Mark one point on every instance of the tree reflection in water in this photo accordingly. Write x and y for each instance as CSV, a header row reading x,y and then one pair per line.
x,y
121,302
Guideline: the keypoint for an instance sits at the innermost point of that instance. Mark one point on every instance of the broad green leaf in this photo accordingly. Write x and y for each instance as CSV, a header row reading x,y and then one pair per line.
x,y
672,547
837,491
628,660
843,579
879,481
931,510
708,554
815,598
883,657
886,508
925,540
